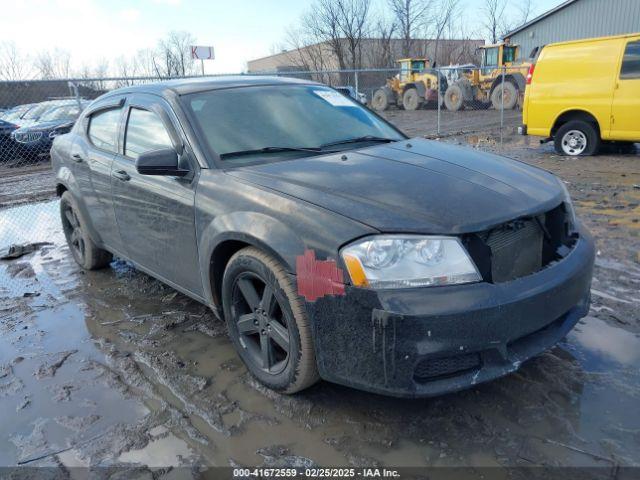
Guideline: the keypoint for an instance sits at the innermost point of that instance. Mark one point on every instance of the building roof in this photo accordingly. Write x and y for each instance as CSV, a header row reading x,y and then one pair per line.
x,y
546,14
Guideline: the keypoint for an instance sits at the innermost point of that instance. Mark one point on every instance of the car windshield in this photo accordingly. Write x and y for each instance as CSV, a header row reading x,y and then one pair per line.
x,y
35,112
251,119
15,114
69,112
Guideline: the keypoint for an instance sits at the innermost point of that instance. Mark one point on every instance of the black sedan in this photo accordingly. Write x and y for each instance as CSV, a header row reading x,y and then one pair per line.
x,y
333,246
34,141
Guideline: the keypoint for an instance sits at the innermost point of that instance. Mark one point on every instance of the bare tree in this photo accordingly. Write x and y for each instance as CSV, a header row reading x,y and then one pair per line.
x,y
493,12
51,64
409,16
304,52
13,64
445,12
521,13
173,55
341,25
380,53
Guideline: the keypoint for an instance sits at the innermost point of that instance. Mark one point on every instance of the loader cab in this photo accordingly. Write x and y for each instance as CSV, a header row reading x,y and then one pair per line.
x,y
495,56
411,66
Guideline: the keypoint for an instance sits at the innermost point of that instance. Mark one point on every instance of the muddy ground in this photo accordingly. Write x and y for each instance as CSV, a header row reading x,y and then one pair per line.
x,y
114,369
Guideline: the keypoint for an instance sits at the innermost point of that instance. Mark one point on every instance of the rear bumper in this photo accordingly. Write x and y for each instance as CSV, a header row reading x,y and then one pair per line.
x,y
430,341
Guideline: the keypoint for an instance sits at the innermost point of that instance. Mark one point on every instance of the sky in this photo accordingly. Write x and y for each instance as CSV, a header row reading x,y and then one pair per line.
x,y
92,30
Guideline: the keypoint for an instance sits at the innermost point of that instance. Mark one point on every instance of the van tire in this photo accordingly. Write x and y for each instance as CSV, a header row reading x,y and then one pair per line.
x,y
577,138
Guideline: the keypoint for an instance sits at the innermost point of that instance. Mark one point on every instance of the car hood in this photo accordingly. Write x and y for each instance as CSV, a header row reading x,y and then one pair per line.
x,y
418,186
46,125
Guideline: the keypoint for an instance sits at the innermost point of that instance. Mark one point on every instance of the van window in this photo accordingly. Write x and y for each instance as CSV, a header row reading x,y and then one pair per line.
x,y
631,61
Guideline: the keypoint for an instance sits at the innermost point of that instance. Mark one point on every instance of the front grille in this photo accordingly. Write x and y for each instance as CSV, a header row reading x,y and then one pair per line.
x,y
516,249
28,137
520,247
429,369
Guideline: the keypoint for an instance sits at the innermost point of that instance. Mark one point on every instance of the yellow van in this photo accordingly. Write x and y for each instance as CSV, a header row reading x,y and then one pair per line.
x,y
583,92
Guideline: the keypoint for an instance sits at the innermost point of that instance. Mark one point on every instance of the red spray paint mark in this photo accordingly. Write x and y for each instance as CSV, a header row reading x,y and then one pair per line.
x,y
317,278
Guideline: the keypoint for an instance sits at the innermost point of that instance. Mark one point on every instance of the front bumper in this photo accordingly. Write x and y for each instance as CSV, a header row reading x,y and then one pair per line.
x,y
423,342
33,149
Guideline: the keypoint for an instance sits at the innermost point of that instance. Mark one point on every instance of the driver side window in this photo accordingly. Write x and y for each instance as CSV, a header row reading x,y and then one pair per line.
x,y
145,133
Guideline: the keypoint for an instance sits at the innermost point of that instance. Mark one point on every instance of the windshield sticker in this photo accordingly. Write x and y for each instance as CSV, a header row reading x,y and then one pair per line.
x,y
334,98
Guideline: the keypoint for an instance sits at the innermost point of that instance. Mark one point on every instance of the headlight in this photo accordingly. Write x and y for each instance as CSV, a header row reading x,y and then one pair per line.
x,y
58,131
397,261
568,205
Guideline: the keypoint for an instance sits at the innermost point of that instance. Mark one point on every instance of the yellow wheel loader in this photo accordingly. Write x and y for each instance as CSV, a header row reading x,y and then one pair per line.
x,y
416,85
483,87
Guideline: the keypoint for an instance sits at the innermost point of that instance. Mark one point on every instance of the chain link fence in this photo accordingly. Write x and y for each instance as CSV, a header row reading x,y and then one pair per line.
x,y
421,102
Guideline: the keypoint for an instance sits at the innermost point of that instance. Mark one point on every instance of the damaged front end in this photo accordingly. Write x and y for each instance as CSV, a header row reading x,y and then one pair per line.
x,y
429,340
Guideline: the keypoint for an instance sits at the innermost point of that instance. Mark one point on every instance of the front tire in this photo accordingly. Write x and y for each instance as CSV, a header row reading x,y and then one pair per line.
x,y
454,98
577,138
411,99
267,322
380,100
85,252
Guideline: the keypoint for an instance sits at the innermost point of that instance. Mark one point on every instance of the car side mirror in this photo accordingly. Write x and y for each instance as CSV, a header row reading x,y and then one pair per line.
x,y
160,162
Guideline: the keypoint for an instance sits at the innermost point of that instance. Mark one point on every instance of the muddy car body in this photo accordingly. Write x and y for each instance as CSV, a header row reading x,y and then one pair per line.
x,y
313,228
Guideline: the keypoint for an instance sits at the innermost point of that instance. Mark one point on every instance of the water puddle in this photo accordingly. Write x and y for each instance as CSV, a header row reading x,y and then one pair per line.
x,y
116,369
606,347
168,451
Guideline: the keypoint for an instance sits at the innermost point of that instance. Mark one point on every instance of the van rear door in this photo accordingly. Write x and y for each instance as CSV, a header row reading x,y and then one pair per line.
x,y
625,122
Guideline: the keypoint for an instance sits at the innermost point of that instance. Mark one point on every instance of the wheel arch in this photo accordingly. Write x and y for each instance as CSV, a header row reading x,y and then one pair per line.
x,y
574,114
60,189
419,86
230,233
66,182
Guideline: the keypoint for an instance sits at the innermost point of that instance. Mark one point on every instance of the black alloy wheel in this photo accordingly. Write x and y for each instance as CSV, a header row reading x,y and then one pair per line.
x,y
73,232
261,323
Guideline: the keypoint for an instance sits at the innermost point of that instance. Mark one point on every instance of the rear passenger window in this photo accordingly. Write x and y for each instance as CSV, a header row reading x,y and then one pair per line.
x,y
145,133
103,129
631,61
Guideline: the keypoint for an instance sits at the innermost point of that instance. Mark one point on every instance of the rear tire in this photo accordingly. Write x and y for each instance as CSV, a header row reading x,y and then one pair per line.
x,y
411,99
267,322
510,94
454,98
84,250
577,138
380,100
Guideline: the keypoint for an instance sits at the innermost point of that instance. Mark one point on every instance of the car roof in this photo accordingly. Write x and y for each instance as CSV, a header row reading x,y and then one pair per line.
x,y
183,86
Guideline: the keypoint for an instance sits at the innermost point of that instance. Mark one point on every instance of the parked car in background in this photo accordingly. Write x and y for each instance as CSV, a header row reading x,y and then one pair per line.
x,y
6,142
349,91
584,92
333,246
35,141
15,114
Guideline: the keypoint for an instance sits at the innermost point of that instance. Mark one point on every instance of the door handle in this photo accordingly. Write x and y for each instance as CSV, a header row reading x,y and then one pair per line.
x,y
121,175
77,157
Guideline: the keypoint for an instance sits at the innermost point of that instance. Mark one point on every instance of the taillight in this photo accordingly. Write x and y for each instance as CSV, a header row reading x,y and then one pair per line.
x,y
532,67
